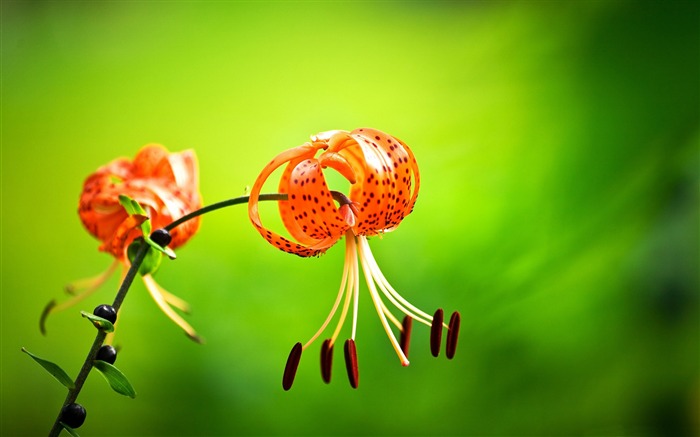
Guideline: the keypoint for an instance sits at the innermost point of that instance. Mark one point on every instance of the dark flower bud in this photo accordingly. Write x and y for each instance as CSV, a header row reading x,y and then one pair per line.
x,y
73,415
107,353
161,237
107,312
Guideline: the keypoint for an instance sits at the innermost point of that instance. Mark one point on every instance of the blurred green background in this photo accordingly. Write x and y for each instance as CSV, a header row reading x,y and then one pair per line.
x,y
558,145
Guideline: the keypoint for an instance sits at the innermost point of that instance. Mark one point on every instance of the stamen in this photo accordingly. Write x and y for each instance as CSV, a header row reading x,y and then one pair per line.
x,y
326,360
378,304
407,326
79,289
351,268
452,333
290,369
390,316
436,332
156,293
351,362
88,285
355,271
402,304
44,314
346,306
341,291
175,301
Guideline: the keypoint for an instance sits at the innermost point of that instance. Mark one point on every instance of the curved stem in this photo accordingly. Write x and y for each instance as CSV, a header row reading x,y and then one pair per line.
x,y
341,198
219,205
124,288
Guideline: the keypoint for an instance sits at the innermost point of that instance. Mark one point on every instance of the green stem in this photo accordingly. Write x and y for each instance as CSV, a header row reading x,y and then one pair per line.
x,y
219,205
124,288
100,338
338,196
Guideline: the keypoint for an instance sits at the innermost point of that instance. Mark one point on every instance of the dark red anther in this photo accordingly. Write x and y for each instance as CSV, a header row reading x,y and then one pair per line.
x,y
452,334
290,370
351,362
436,332
407,325
326,360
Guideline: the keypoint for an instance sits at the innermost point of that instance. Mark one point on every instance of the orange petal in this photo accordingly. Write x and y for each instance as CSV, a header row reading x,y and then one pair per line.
x,y
305,151
127,231
312,204
152,160
385,192
287,209
337,162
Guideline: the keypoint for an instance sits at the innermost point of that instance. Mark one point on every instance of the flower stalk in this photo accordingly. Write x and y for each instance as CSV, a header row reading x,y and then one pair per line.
x,y
100,338
219,205
123,290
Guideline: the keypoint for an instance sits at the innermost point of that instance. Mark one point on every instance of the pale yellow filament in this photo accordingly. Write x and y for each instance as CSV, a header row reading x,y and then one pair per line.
x,y
378,304
157,294
85,288
341,292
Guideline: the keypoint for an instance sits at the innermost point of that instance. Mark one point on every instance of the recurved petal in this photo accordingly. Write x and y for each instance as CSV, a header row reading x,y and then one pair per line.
x,y
185,170
288,209
384,192
169,207
307,150
124,234
305,248
311,203
337,162
151,161
416,175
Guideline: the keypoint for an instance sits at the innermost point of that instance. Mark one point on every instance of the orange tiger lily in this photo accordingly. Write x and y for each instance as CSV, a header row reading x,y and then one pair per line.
x,y
166,186
384,178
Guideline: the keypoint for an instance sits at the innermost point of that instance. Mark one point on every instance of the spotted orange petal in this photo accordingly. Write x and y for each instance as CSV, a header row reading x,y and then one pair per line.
x,y
385,192
306,246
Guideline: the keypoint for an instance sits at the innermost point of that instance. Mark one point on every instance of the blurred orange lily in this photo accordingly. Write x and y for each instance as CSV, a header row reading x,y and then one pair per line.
x,y
166,186
384,182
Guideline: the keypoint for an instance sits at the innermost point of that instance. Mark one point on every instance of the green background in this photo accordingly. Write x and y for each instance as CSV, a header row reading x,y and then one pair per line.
x,y
558,145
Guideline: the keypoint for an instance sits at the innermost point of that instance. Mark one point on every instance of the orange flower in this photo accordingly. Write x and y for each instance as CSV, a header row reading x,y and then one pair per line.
x,y
166,186
384,182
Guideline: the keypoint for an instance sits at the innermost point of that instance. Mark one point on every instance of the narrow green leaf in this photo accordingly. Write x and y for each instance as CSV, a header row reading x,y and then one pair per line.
x,y
115,378
70,430
131,206
53,369
146,227
100,323
134,208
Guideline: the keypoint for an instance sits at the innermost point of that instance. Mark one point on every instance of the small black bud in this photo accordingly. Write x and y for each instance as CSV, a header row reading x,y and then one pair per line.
x,y
106,312
73,415
161,237
107,353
